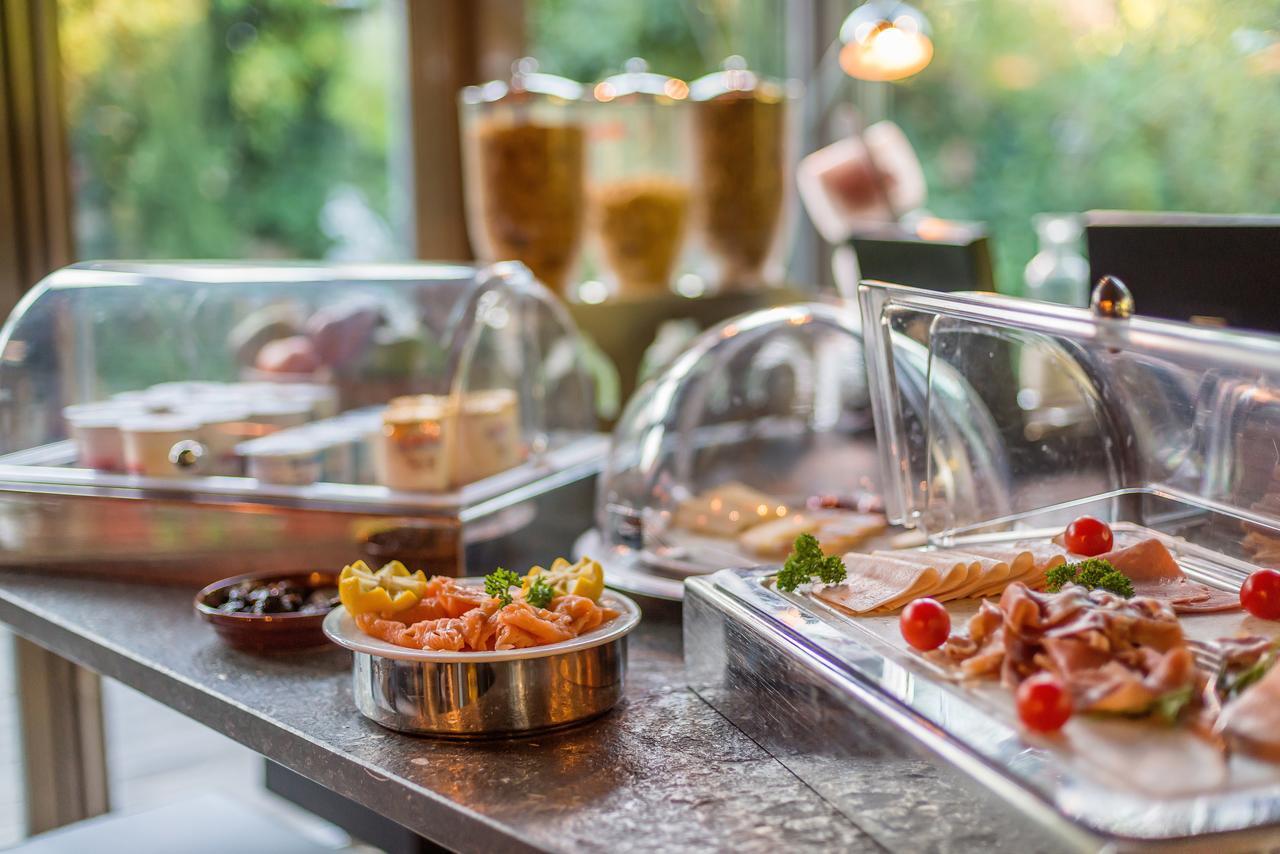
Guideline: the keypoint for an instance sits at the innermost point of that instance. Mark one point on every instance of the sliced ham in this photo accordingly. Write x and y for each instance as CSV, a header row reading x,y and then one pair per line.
x,y
1251,721
990,572
1113,654
886,580
878,583
954,572
1156,574
1028,563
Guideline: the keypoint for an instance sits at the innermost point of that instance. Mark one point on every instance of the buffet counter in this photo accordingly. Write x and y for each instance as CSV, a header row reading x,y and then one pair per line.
x,y
662,771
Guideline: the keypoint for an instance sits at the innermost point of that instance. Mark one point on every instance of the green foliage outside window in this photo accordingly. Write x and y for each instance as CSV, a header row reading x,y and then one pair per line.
x,y
220,128
1029,105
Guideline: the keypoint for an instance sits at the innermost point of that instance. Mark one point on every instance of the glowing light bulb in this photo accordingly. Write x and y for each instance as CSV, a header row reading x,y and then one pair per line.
x,y
885,41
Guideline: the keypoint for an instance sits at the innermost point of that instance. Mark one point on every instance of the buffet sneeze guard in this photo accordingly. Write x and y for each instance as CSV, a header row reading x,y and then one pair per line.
x,y
1163,425
776,401
191,420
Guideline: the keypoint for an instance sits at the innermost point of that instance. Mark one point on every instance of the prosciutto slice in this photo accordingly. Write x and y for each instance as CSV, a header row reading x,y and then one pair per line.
x,y
1155,574
1252,720
1113,655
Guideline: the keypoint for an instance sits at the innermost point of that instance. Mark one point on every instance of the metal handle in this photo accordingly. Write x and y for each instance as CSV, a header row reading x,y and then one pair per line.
x,y
1111,298
188,456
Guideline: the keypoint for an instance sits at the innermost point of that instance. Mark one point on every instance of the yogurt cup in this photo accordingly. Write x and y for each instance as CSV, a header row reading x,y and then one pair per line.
x,y
222,428
187,389
293,461
322,398
149,438
414,449
95,430
338,454
279,412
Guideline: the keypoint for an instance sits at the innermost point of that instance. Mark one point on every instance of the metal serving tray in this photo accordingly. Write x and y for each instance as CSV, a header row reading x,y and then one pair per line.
x,y
1165,426
859,717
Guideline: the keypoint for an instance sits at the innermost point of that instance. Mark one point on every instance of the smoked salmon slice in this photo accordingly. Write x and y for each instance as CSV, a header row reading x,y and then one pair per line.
x,y
458,618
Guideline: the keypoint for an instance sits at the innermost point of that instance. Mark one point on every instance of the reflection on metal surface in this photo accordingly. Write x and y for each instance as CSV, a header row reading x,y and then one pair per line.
x,y
489,699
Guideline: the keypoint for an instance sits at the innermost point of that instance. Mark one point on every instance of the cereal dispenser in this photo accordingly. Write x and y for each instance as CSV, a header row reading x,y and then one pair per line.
x,y
640,184
740,166
523,152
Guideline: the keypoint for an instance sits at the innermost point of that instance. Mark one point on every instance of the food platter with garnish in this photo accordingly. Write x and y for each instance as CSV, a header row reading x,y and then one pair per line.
x,y
1089,637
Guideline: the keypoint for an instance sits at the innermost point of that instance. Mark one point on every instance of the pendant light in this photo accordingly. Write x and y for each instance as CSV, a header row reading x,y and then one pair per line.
x,y
884,40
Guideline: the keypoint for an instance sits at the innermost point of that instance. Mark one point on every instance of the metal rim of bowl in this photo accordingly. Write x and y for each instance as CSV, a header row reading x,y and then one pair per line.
x,y
207,611
340,628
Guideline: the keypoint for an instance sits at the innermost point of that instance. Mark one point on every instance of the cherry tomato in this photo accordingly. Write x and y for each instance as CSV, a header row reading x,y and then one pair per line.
x,y
1089,537
925,624
1043,704
1260,594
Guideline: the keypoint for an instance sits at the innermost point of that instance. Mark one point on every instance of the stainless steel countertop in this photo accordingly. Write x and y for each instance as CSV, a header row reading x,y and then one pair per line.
x,y
663,771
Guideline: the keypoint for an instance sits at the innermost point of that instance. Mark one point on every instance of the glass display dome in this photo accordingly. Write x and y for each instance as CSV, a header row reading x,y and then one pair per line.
x,y
760,431
420,389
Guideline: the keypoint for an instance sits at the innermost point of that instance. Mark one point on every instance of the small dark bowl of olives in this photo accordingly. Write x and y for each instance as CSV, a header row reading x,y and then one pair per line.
x,y
268,612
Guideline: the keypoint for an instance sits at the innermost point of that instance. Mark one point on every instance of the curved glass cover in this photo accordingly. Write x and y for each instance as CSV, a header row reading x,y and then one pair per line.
x,y
764,419
1167,425
414,384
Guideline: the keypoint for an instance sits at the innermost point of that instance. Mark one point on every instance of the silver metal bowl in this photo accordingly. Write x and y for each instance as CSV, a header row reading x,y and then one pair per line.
x,y
489,694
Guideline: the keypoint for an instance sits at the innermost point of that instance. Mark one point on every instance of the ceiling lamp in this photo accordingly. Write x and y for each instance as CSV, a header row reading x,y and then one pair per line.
x,y
884,40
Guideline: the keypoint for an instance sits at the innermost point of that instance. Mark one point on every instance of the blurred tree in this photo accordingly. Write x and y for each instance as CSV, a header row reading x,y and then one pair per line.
x,y
1029,105
220,128
683,38
1048,105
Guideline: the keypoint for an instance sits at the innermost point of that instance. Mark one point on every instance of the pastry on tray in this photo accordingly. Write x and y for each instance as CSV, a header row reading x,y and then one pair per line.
x,y
838,531
726,510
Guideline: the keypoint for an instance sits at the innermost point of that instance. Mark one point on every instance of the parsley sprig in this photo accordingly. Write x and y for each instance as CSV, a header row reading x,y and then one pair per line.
x,y
498,584
540,593
806,562
1093,573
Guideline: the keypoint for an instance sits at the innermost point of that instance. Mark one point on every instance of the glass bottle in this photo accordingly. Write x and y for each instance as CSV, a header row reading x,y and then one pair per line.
x,y
1058,273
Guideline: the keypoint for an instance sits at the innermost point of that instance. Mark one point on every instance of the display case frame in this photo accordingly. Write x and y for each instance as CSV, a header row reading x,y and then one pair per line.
x,y
1179,406
457,304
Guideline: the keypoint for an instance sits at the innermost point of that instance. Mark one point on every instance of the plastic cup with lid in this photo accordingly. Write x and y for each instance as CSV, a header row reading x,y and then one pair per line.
x,y
149,438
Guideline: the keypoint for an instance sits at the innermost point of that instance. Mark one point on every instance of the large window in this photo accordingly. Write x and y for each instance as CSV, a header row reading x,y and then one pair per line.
x,y
228,128
1029,105
1069,105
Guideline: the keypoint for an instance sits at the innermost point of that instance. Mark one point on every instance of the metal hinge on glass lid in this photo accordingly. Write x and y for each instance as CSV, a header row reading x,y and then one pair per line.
x,y
1127,549
758,432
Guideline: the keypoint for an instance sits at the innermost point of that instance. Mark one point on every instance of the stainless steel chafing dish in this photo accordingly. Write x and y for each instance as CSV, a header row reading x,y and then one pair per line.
x,y
489,694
